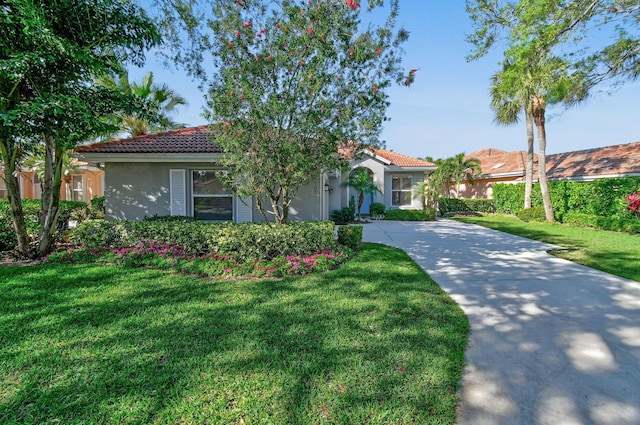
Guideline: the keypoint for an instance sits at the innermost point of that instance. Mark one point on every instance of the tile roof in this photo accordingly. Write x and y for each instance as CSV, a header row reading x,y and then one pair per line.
x,y
200,140
606,161
402,160
495,161
184,140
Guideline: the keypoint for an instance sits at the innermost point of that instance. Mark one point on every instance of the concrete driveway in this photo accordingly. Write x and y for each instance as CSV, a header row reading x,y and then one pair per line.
x,y
552,342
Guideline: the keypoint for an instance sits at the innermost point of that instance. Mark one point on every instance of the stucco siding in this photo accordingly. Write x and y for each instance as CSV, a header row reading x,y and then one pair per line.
x,y
134,191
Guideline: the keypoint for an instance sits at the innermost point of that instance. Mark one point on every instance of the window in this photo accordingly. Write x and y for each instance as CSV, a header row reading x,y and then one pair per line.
x,y
77,187
210,201
401,193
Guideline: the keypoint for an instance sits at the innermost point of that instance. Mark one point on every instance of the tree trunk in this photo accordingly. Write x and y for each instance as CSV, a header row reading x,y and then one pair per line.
x,y
360,202
528,184
9,159
50,209
539,117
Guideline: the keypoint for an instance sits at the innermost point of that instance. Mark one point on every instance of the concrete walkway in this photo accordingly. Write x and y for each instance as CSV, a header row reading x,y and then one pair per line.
x,y
552,342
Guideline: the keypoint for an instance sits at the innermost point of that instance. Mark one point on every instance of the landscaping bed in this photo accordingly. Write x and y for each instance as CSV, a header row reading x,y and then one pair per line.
x,y
374,341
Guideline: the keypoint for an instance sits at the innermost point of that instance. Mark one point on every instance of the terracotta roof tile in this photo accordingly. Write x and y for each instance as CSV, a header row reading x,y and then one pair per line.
x,y
496,161
402,160
609,160
184,140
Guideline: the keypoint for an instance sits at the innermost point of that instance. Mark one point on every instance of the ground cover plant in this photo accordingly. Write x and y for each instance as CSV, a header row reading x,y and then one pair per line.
x,y
612,252
375,341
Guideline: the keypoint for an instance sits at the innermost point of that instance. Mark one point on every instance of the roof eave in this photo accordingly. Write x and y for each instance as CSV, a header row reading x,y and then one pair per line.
x,y
101,157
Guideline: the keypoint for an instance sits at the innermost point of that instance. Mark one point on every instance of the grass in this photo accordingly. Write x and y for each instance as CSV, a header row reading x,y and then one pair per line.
x,y
612,252
375,341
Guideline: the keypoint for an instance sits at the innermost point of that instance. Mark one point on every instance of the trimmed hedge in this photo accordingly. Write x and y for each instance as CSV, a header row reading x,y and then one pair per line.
x,y
244,241
532,214
603,197
411,215
449,205
602,223
350,236
376,209
31,210
343,216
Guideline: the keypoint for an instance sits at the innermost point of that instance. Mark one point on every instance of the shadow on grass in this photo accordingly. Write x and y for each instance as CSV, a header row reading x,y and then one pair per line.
x,y
375,340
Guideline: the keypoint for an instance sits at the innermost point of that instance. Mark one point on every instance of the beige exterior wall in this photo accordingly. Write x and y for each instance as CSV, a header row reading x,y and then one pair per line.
x,y
137,190
30,186
481,188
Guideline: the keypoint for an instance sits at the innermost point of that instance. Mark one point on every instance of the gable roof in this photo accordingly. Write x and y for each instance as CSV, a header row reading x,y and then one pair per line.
x,y
608,161
199,140
496,162
401,160
185,140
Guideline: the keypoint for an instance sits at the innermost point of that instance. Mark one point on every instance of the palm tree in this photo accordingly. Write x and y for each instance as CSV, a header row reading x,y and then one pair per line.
x,y
531,82
161,102
463,169
507,105
361,180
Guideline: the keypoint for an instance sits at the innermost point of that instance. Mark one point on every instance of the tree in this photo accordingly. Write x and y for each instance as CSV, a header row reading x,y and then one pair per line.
x,y
292,82
463,170
50,54
362,182
160,101
507,104
454,169
532,77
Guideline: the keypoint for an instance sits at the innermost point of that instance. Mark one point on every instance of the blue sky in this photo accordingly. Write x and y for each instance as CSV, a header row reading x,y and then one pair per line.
x,y
447,110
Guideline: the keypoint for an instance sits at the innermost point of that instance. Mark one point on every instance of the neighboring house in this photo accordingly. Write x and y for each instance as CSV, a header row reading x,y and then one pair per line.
x,y
497,167
83,184
583,165
598,163
174,173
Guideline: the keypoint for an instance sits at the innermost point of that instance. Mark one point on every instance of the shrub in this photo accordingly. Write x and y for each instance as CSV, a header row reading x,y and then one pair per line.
x,y
603,223
343,216
448,205
602,197
376,209
31,210
244,241
96,210
532,214
350,236
411,215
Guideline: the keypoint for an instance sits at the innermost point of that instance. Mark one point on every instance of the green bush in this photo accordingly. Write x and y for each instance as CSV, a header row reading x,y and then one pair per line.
x,y
350,236
243,241
376,209
448,205
603,223
96,210
411,215
603,197
532,214
31,210
343,216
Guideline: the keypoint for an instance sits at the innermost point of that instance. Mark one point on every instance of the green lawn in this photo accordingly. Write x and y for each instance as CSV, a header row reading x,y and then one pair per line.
x,y
612,252
376,341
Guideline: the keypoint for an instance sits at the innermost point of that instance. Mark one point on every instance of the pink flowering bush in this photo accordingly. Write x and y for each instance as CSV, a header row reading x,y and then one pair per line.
x,y
170,256
634,203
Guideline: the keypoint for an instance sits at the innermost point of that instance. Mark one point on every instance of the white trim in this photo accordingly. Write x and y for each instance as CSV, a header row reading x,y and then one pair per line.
x,y
243,213
178,192
374,156
592,178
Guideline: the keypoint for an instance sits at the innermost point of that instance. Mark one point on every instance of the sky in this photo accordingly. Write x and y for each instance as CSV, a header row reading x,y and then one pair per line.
x,y
446,111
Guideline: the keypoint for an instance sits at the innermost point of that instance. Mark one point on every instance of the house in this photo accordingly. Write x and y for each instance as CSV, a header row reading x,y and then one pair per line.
x,y
497,166
83,183
583,165
174,173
